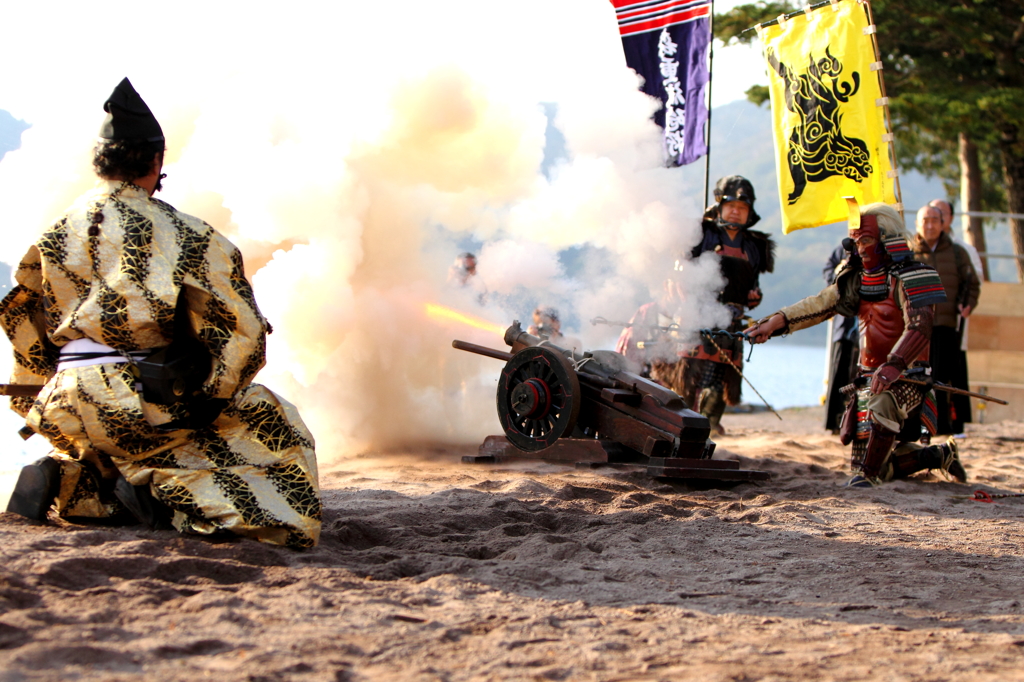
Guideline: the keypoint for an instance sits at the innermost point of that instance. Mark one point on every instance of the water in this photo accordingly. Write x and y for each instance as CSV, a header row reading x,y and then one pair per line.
x,y
786,375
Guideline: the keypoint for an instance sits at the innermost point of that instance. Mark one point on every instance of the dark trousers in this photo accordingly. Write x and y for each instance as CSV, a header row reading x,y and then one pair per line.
x,y
949,366
842,371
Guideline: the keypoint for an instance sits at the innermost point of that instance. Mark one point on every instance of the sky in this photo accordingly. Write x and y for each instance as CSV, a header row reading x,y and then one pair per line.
x,y
349,149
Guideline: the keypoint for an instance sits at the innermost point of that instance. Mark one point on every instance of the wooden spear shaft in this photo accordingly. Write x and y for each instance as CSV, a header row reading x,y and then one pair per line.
x,y
851,388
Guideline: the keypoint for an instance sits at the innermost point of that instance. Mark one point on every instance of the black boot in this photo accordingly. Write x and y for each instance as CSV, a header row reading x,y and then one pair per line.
x,y
38,485
951,463
143,505
944,457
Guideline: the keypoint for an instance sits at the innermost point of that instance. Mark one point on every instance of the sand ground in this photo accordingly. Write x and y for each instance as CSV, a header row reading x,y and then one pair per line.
x,y
433,570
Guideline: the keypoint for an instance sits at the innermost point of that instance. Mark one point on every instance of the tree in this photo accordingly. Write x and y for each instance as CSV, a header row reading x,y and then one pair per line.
x,y
954,73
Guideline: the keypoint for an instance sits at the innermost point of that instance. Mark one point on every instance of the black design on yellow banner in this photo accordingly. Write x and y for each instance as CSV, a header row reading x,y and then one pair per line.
x,y
818,148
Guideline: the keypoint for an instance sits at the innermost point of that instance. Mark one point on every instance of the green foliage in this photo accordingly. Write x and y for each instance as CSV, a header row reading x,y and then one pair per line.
x,y
950,66
758,94
954,66
734,25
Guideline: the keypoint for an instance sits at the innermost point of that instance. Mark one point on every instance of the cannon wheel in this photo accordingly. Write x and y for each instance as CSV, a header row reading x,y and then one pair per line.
x,y
538,398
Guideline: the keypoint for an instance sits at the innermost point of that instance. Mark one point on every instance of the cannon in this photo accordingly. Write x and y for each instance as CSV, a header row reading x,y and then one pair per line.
x,y
591,409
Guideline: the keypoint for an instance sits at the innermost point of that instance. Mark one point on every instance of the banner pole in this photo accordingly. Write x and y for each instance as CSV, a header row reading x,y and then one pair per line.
x,y
888,119
707,139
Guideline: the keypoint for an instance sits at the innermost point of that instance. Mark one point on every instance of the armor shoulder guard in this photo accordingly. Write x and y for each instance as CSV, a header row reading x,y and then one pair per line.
x,y
766,249
848,282
920,282
707,227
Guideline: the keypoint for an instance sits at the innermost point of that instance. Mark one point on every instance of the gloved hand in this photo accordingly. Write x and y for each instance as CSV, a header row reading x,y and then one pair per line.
x,y
884,376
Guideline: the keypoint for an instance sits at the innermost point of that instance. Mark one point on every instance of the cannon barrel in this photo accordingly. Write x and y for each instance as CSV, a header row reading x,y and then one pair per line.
x,y
561,405
481,350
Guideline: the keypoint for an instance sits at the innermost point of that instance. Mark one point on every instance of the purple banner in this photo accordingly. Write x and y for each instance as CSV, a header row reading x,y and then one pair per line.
x,y
666,42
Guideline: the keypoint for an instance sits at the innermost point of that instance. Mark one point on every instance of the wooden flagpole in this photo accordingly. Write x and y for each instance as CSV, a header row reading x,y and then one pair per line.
x,y
707,139
890,133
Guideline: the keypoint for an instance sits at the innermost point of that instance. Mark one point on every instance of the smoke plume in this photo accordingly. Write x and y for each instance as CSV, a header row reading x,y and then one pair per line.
x,y
351,156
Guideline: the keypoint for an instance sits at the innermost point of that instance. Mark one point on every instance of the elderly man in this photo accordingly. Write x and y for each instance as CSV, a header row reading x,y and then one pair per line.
x,y
893,299
112,300
932,245
946,209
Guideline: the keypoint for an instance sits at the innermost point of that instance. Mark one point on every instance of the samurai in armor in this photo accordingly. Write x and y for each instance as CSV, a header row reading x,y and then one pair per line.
x,y
893,298
706,380
651,340
117,280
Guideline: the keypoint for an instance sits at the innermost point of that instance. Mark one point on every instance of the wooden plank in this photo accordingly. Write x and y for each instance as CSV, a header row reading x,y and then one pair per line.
x,y
685,462
499,449
998,366
619,395
589,452
991,332
1003,299
705,473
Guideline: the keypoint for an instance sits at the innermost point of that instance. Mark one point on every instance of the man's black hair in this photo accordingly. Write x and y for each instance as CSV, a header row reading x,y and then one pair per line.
x,y
125,159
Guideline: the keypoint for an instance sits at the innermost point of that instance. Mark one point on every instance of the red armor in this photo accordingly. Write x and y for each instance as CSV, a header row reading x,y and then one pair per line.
x,y
732,252
882,326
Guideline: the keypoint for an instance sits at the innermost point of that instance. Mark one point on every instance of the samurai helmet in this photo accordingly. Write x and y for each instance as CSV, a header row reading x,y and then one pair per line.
x,y
885,222
736,188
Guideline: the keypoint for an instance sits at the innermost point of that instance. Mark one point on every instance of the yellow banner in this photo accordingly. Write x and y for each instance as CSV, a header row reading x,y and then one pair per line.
x,y
828,120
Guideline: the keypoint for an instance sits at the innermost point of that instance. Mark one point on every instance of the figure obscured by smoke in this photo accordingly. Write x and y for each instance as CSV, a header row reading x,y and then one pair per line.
x,y
548,326
652,339
462,274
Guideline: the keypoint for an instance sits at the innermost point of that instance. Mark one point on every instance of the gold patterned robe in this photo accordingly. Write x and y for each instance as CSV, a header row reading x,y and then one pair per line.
x,y
111,270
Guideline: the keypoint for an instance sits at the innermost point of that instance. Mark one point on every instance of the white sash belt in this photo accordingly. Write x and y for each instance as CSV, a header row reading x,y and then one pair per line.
x,y
85,352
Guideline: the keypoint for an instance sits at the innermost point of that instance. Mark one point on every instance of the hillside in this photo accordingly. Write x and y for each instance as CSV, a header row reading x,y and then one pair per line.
x,y
742,144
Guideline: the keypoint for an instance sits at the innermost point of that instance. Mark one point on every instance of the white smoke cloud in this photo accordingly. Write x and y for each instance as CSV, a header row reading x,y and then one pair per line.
x,y
350,149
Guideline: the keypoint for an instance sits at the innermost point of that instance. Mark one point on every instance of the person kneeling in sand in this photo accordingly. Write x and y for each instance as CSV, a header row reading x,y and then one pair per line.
x,y
893,298
120,277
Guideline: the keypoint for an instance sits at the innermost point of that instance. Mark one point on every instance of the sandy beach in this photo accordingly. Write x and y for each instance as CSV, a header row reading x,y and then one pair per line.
x,y
429,569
